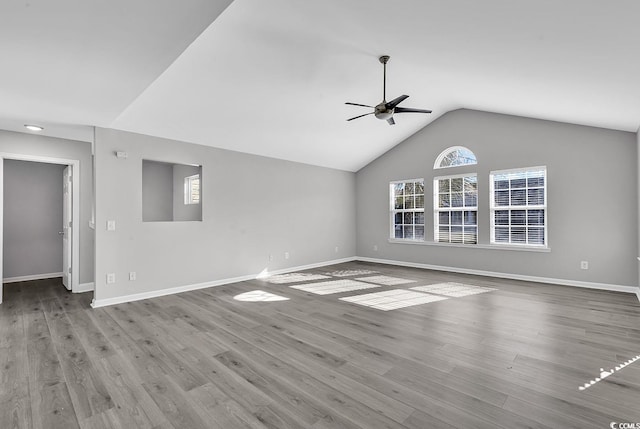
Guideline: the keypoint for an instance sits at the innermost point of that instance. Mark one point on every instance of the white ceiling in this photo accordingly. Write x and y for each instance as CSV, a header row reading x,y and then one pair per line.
x,y
271,77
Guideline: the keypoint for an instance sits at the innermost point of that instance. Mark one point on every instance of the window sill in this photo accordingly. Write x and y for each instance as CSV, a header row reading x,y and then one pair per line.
x,y
472,246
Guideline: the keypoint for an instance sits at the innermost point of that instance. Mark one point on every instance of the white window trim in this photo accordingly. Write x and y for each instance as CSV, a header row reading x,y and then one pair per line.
x,y
187,189
493,208
447,151
392,211
472,246
437,209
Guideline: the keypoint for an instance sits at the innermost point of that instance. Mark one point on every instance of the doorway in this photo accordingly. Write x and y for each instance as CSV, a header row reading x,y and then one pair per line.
x,y
71,210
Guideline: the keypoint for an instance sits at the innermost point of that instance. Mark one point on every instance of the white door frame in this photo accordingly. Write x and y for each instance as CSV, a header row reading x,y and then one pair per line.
x,y
75,203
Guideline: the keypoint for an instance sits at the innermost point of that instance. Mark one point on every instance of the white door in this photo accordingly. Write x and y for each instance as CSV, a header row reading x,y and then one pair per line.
x,y
66,227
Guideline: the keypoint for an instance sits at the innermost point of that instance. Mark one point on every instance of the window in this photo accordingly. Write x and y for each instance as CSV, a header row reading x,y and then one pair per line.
x,y
518,207
455,156
407,209
456,209
192,189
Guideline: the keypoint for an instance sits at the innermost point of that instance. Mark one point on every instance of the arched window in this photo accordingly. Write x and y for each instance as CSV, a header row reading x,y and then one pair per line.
x,y
455,156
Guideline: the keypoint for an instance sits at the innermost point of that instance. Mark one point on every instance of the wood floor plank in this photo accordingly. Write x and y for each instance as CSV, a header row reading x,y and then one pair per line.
x,y
44,365
133,407
95,343
174,405
15,405
51,405
87,390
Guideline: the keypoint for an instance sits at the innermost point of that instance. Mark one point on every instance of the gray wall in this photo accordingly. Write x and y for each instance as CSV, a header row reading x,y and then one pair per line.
x,y
252,207
32,218
157,191
34,145
182,211
592,196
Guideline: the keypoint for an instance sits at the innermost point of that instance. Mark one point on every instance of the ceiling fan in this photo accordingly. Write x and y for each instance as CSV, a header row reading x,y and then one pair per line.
x,y
385,110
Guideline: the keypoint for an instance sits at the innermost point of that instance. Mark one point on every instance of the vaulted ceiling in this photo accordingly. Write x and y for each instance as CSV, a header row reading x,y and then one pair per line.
x,y
271,77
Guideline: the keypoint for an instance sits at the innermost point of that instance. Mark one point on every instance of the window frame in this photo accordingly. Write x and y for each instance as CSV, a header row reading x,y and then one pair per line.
x,y
493,208
393,211
437,209
188,189
437,164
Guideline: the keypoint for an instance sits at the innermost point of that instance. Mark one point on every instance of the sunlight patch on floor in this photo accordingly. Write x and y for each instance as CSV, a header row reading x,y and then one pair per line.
x,y
349,273
392,299
385,280
259,296
453,290
295,277
336,286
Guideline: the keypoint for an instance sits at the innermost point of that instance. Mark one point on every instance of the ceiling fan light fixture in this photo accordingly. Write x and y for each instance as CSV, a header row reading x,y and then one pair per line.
x,y
32,127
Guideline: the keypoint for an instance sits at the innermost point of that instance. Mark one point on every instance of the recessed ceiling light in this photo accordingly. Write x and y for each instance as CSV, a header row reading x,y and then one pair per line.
x,y
33,127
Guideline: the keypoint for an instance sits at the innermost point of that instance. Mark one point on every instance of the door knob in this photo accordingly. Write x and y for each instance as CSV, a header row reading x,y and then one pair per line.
x,y
60,232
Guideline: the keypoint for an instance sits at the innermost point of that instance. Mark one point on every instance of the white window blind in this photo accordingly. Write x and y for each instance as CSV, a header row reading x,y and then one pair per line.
x,y
518,207
407,209
456,209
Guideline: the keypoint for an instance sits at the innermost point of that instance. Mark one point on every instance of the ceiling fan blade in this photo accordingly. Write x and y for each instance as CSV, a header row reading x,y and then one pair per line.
x,y
391,121
356,104
356,117
410,110
393,103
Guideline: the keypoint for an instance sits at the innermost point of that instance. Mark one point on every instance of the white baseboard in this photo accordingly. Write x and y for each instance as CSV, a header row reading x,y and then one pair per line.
x,y
186,288
84,287
563,282
32,277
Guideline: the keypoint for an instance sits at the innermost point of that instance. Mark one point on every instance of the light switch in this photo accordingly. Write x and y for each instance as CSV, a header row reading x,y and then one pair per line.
x,y
111,225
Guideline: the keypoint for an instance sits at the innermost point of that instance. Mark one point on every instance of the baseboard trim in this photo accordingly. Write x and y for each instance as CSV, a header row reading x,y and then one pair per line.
x,y
84,287
186,288
32,277
563,282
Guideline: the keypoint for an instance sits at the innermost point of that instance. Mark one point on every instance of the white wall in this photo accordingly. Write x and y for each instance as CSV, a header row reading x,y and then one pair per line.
x,y
34,145
32,218
252,207
157,195
592,196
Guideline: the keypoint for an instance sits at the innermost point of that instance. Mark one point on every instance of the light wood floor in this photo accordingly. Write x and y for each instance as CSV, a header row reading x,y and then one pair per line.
x,y
511,358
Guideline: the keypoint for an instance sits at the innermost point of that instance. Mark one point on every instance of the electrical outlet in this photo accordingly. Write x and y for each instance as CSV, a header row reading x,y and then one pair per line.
x,y
375,247
270,258
111,278
584,265
286,255
111,225
132,276
336,249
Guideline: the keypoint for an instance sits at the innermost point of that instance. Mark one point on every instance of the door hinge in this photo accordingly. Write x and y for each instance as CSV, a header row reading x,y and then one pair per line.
x,y
70,222
69,270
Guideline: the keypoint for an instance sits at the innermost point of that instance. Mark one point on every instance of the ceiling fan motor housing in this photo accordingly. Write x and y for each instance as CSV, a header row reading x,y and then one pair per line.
x,y
381,112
